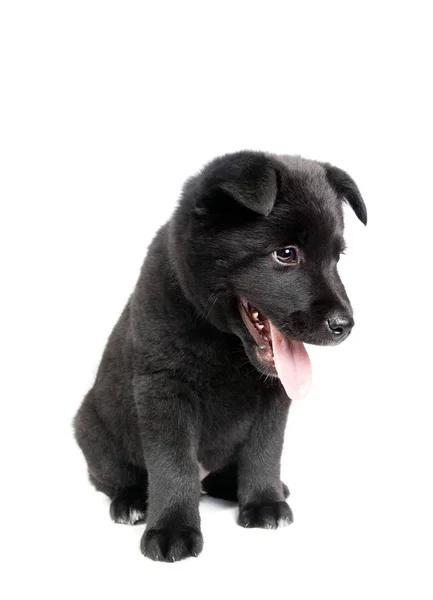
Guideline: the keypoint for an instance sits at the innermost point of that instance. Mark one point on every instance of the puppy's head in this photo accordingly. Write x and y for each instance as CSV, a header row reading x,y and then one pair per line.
x,y
257,242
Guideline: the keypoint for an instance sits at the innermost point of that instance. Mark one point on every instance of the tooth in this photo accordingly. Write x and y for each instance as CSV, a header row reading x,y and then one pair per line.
x,y
260,326
255,314
263,347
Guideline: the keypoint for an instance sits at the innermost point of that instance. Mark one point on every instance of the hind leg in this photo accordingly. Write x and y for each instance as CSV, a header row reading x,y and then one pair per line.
x,y
128,503
109,470
129,506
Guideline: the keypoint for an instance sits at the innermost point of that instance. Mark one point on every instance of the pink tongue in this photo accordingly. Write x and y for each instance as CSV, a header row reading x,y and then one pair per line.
x,y
292,363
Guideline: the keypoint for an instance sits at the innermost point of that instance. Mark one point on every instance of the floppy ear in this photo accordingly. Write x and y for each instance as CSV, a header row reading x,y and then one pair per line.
x,y
249,178
346,188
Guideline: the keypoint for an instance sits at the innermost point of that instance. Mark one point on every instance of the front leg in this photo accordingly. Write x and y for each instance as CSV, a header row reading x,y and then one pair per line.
x,y
260,491
168,423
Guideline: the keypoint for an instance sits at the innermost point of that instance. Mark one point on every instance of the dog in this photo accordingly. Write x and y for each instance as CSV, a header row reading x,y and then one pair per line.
x,y
195,383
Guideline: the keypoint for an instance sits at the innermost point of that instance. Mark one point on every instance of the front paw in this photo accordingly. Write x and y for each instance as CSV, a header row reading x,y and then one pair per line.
x,y
171,543
266,516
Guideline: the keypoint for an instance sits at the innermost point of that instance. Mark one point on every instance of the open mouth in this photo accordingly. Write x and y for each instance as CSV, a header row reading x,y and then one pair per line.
x,y
286,358
260,329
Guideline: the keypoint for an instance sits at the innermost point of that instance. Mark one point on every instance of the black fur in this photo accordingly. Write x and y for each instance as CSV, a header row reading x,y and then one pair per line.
x,y
180,382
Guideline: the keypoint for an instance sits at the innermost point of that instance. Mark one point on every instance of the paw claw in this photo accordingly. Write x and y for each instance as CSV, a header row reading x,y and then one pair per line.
x,y
266,516
171,544
128,508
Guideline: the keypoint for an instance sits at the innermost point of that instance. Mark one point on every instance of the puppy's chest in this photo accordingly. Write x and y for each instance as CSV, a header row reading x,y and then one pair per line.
x,y
231,399
229,390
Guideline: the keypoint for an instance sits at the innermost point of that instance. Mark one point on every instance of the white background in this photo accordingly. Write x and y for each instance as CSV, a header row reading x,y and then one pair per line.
x,y
106,108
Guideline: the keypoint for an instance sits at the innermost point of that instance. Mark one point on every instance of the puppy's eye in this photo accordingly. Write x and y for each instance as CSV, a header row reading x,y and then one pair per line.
x,y
286,256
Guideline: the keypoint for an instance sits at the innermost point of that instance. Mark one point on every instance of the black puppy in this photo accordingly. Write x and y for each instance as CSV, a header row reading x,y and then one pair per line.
x,y
196,379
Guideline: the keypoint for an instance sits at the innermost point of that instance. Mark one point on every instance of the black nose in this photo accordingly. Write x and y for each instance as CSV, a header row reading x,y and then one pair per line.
x,y
340,325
